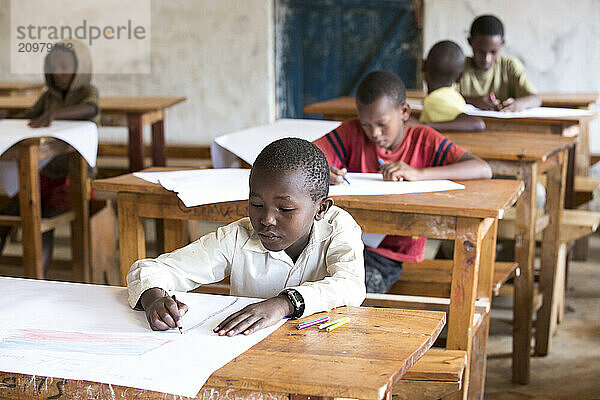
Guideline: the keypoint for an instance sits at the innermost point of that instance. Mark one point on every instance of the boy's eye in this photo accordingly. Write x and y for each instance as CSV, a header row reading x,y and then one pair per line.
x,y
256,205
286,209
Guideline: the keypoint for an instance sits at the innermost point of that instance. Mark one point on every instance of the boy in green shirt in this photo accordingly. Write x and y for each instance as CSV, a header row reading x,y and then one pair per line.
x,y
490,81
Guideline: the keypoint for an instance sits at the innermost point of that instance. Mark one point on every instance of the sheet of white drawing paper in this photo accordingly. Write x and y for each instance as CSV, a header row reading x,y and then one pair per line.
x,y
372,239
81,135
88,332
203,186
248,143
373,184
536,112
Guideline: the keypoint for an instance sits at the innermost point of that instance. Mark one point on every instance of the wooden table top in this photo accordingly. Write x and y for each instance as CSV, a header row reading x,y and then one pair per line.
x,y
361,360
107,104
5,85
511,146
480,198
560,100
346,107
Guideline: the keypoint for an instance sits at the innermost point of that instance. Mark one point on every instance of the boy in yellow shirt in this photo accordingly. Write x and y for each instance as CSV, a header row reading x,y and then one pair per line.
x,y
490,81
444,107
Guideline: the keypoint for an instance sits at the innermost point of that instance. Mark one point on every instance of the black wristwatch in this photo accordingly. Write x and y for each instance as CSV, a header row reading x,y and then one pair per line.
x,y
297,301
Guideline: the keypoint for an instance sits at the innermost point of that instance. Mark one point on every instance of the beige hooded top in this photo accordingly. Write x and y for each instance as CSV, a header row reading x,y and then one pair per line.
x,y
81,91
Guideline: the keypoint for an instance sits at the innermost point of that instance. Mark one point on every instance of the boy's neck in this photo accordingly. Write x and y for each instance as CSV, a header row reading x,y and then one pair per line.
x,y
432,86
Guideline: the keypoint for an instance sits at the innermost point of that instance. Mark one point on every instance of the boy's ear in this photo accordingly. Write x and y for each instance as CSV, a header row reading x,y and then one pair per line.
x,y
405,111
323,206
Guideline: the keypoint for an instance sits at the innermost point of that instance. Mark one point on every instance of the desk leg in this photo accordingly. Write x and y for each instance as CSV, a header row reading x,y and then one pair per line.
x,y
582,168
174,234
159,152
524,256
80,226
136,142
132,245
467,248
31,210
551,251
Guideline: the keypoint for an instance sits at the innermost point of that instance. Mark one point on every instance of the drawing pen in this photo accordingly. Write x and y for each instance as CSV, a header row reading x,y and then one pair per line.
x,y
337,321
335,326
346,180
381,162
178,322
312,322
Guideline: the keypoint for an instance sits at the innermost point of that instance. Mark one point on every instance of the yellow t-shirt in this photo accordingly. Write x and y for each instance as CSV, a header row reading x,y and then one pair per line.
x,y
506,78
441,105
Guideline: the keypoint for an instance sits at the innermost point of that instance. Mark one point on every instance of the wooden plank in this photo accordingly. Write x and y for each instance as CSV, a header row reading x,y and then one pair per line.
x,y
424,390
549,260
136,142
31,210
524,255
467,248
174,237
132,245
586,183
80,226
107,149
438,364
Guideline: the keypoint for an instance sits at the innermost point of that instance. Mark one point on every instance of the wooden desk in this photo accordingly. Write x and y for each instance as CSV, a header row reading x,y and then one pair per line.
x,y
363,360
28,153
21,88
468,216
526,157
133,112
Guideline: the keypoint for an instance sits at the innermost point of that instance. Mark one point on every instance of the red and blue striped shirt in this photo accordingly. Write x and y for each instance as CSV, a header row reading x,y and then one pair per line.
x,y
421,147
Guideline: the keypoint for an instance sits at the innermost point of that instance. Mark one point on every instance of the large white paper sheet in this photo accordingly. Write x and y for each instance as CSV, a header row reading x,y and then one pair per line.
x,y
248,143
203,186
81,135
536,112
207,186
373,184
88,332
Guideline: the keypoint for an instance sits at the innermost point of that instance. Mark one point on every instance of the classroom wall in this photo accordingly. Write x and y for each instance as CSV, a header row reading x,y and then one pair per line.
x,y
557,40
218,54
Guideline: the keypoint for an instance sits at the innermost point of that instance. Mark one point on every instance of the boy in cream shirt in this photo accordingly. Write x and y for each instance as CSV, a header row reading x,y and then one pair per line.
x,y
296,250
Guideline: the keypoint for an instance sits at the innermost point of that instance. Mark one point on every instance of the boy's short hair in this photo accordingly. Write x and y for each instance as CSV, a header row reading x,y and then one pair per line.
x,y
293,154
487,25
445,62
378,84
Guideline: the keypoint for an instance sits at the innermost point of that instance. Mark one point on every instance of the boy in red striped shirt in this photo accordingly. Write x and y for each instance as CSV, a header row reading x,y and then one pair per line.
x,y
410,153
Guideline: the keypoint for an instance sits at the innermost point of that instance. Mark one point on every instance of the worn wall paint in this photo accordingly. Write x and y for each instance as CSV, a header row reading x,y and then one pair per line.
x,y
558,41
218,54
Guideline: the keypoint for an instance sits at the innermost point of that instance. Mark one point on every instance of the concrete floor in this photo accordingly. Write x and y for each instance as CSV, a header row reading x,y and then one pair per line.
x,y
571,370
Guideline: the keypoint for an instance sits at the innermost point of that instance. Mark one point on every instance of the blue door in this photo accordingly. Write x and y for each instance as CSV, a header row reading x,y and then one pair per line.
x,y
325,47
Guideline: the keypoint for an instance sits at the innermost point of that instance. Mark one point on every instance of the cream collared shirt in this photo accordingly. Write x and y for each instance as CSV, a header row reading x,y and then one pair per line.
x,y
328,273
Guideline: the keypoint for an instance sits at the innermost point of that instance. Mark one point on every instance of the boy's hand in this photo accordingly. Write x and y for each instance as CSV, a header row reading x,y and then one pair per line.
x,y
255,316
399,171
336,176
42,121
511,105
488,102
162,311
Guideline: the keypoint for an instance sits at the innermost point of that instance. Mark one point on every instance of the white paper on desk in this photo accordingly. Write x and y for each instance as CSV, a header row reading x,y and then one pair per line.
x,y
373,184
536,112
81,135
203,186
248,143
35,315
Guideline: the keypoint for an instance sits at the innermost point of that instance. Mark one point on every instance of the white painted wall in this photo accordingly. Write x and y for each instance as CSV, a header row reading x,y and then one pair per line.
x,y
557,40
217,53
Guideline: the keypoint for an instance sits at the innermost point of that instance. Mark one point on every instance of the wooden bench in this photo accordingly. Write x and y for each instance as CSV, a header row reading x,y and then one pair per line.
x,y
575,224
584,187
434,278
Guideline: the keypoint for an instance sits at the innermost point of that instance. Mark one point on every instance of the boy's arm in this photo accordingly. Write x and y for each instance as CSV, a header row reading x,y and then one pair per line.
x,y
345,283
462,123
36,110
80,112
467,167
204,261
521,103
